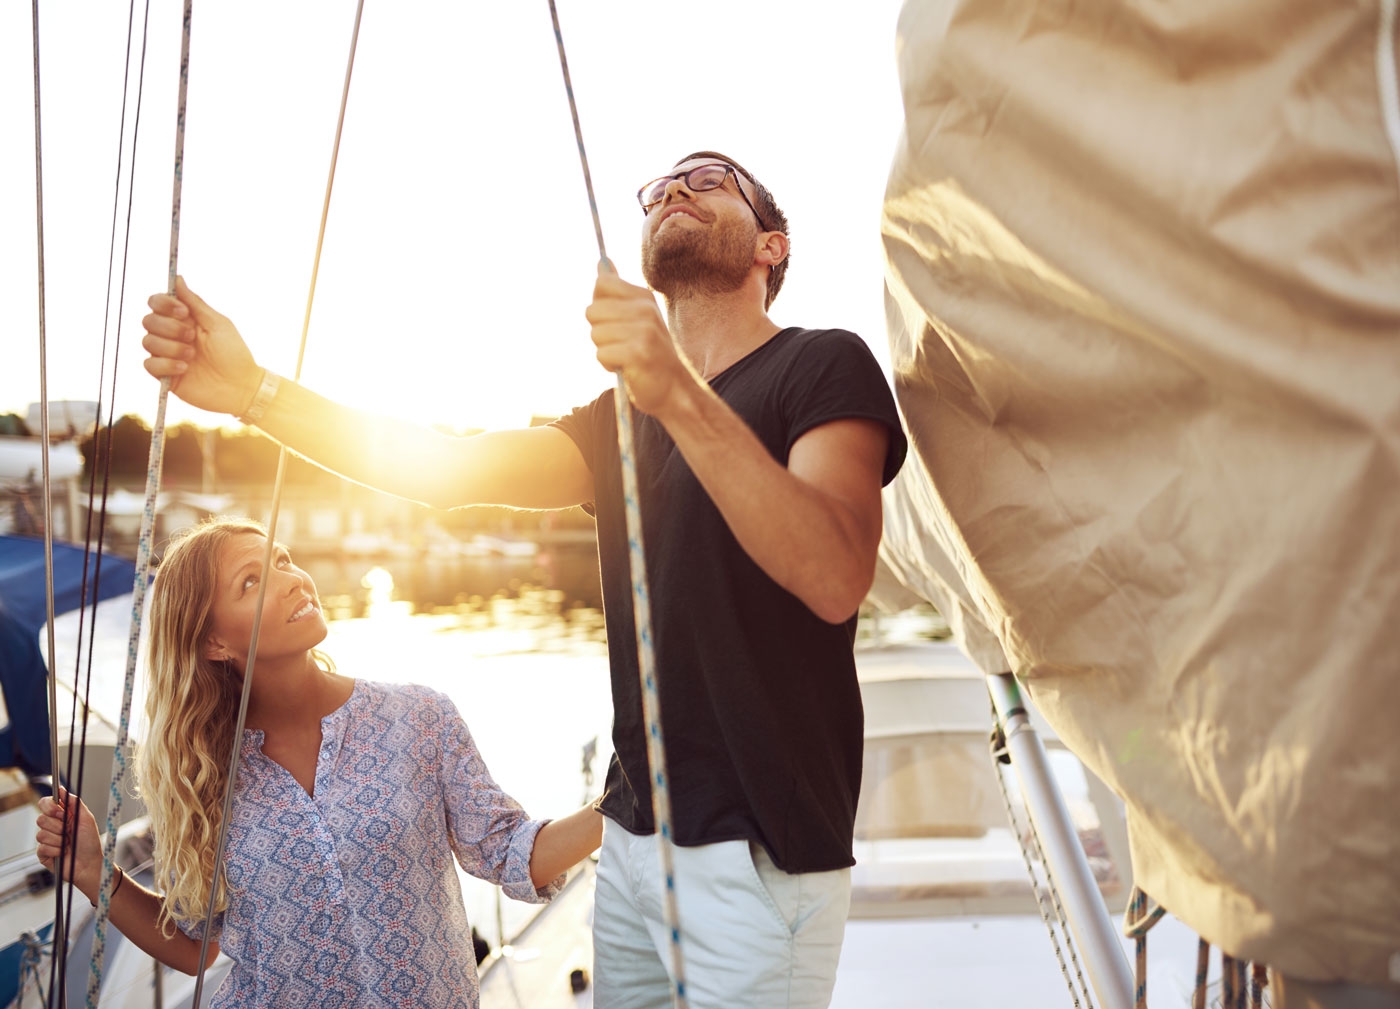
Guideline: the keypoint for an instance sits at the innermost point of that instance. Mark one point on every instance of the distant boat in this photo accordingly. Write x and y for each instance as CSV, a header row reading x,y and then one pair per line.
x,y
495,546
22,459
365,544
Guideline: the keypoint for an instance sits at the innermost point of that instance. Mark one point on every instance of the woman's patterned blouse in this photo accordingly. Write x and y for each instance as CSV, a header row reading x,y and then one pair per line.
x,y
348,897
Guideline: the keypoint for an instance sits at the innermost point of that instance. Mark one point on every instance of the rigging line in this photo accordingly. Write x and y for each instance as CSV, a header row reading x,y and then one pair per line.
x,y
641,599
84,696
1070,943
143,556
58,924
235,756
1001,755
44,400
62,948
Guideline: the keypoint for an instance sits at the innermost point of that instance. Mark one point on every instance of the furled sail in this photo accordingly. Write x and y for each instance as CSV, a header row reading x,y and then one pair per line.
x,y
1144,306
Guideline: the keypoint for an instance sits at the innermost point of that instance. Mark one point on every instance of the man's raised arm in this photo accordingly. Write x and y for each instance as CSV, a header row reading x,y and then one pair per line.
x,y
813,525
211,367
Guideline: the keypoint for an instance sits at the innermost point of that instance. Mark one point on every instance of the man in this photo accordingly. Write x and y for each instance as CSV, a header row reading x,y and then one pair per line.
x,y
760,453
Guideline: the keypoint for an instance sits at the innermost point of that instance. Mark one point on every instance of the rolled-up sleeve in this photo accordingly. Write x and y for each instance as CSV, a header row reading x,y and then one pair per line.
x,y
195,929
491,835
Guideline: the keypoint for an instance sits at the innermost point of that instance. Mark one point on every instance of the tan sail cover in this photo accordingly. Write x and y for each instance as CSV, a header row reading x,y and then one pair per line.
x,y
1144,292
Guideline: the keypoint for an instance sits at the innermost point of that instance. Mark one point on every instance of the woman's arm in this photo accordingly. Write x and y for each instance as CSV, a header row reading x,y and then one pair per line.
x,y
562,844
134,910
490,833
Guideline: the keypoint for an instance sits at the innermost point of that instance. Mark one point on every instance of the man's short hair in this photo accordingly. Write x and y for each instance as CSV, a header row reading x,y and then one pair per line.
x,y
770,215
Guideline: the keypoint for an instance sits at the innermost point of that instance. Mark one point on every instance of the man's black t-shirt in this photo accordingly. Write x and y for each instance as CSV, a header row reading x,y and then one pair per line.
x,y
761,713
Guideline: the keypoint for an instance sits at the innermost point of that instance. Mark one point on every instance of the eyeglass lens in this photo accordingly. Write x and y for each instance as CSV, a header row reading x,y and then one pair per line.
x,y
701,179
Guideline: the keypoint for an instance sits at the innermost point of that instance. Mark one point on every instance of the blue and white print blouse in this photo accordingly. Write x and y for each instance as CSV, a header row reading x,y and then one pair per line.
x,y
348,897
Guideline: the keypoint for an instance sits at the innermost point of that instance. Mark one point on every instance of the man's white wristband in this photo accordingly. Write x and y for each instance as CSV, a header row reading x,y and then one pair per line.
x,y
262,399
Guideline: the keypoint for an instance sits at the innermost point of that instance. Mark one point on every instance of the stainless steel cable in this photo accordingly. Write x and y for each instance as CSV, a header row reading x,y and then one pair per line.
x,y
232,775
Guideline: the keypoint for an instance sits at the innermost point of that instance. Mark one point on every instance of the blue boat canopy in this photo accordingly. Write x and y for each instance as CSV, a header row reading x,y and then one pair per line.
x,y
24,742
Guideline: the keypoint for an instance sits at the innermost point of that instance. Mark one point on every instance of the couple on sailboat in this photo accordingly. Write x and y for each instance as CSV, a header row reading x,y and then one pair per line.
x,y
761,452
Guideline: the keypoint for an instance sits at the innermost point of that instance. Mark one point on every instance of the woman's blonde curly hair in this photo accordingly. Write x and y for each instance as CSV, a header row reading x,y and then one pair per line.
x,y
192,710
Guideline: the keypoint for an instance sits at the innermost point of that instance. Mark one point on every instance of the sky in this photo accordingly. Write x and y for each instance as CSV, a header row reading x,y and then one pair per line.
x,y
459,252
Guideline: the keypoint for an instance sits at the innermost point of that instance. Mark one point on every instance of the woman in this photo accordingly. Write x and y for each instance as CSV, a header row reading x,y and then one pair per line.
x,y
352,797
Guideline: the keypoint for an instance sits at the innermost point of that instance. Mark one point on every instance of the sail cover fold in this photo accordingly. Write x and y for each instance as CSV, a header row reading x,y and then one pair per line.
x,y
1144,305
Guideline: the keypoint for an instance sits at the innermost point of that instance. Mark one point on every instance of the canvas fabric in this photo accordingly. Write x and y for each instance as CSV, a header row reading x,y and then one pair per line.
x,y
1143,292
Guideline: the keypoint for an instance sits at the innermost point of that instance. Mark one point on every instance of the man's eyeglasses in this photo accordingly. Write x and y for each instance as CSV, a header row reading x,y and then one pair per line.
x,y
700,180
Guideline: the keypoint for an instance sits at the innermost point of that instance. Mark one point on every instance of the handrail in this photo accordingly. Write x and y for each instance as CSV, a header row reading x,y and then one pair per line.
x,y
1066,863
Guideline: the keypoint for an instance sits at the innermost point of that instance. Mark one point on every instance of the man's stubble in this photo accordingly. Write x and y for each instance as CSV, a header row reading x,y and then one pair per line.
x,y
682,261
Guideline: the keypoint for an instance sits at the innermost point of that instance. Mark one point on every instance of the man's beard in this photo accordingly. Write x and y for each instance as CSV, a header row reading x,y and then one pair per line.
x,y
680,261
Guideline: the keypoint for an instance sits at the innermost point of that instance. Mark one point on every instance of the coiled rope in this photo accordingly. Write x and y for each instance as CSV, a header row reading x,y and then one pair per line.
x,y
641,601
1142,913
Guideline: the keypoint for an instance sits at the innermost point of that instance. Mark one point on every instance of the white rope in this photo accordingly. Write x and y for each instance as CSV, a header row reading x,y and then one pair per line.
x,y
641,598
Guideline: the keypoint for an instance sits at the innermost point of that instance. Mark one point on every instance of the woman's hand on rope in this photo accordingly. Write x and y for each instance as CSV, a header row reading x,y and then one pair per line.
x,y
85,867
200,351
631,336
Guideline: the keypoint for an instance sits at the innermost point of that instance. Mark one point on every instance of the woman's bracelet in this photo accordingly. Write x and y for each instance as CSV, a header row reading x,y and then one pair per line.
x,y
120,875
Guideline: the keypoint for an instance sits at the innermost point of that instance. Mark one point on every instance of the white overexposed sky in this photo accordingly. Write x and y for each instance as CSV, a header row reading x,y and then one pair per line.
x,y
459,254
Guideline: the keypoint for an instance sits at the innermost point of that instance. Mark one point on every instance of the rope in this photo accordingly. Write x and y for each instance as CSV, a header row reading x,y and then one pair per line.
x,y
58,924
61,958
235,756
143,558
1259,980
1241,983
1239,979
641,600
59,918
1198,996
1001,755
44,400
1137,922
1060,911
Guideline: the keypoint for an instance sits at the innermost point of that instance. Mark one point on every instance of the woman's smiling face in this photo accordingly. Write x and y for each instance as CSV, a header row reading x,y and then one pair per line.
x,y
292,621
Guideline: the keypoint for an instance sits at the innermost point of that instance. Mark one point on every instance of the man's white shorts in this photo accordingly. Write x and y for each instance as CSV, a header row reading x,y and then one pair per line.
x,y
751,934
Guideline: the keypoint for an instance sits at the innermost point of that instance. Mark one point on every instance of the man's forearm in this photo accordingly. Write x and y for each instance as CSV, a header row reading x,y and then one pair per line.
x,y
818,546
387,454
531,468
